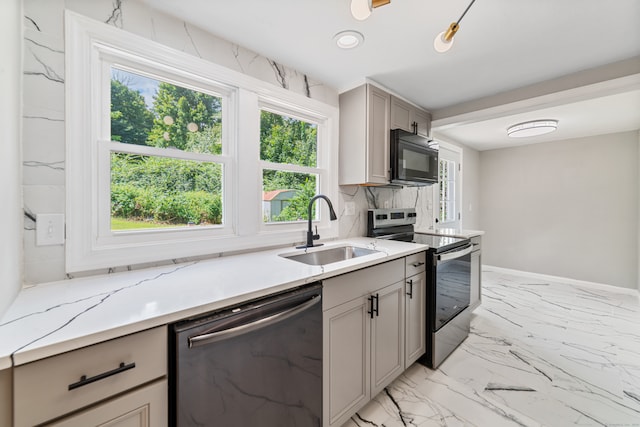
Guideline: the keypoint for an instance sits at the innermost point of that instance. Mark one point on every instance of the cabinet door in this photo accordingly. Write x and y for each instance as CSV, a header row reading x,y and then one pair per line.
x,y
423,122
6,397
401,115
145,407
416,318
476,271
387,337
377,135
345,360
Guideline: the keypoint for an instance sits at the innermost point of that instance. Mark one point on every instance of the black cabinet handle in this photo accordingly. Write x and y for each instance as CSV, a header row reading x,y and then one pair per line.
x,y
377,304
84,380
417,264
410,293
371,310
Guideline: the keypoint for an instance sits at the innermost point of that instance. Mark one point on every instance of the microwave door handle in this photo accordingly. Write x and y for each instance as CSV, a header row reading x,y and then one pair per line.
x,y
456,254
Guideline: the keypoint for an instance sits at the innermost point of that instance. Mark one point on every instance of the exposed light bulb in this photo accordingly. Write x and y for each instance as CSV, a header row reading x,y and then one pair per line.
x,y
361,9
444,40
440,44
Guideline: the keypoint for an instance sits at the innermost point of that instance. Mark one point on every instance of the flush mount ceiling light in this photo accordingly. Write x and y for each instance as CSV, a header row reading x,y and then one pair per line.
x,y
348,39
444,40
361,9
532,128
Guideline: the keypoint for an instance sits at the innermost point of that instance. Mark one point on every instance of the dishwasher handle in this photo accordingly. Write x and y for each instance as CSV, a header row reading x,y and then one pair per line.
x,y
208,338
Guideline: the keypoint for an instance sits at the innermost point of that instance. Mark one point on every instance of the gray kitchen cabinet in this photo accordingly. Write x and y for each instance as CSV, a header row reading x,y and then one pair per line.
x,y
6,398
364,136
99,384
415,307
362,352
476,273
144,407
346,345
416,319
409,118
387,337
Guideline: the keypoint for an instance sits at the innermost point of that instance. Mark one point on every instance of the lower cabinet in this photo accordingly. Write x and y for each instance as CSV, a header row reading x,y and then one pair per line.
x,y
6,398
370,334
347,340
387,336
416,317
120,382
145,407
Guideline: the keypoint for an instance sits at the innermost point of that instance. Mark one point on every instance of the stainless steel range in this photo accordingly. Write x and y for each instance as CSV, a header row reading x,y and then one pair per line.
x,y
448,279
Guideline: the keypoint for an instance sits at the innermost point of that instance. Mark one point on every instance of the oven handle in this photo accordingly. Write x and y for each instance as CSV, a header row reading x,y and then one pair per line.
x,y
208,338
456,254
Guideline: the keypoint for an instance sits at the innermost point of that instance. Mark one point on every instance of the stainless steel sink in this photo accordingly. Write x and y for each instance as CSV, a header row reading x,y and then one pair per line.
x,y
329,255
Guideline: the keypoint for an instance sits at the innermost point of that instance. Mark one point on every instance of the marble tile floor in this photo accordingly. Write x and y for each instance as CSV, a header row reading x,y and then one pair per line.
x,y
540,353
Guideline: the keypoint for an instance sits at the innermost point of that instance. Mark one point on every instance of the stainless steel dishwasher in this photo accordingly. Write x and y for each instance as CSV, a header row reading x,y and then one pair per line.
x,y
257,364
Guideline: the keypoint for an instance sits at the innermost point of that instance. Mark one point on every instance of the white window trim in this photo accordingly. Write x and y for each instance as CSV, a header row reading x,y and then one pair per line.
x,y
436,194
86,249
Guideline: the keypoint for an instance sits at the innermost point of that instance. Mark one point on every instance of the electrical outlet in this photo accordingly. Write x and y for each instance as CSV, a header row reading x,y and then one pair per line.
x,y
49,229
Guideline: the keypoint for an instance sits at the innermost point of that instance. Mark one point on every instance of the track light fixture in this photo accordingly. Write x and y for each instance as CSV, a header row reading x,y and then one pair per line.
x,y
444,40
361,9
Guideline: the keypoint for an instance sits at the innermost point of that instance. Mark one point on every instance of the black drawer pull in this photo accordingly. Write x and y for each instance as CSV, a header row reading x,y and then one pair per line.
x,y
84,380
417,264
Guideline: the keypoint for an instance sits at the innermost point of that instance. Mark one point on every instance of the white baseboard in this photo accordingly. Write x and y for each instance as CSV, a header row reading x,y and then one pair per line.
x,y
628,291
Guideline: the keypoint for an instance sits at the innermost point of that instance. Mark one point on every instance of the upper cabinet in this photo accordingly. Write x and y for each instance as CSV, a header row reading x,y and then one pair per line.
x,y
407,117
364,136
367,115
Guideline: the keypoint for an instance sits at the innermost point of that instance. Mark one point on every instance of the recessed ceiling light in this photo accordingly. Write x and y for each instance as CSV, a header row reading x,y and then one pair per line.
x,y
532,128
348,39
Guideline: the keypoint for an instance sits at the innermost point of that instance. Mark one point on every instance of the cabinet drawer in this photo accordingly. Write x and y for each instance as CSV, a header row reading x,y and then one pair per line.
x,y
340,289
144,407
109,368
415,264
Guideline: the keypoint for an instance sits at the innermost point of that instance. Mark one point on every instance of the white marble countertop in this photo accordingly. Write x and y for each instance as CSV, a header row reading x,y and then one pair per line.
x,y
53,318
454,232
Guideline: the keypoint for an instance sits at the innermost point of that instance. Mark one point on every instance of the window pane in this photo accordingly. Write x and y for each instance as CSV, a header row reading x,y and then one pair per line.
x,y
286,195
159,192
149,112
287,140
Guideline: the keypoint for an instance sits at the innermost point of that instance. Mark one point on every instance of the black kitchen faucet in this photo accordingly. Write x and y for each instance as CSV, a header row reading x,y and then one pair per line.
x,y
310,236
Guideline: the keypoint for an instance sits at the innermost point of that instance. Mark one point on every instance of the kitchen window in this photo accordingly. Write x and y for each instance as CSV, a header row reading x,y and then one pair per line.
x,y
170,156
166,148
289,159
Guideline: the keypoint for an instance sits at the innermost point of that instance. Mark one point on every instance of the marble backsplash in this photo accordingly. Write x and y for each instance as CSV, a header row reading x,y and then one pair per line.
x,y
420,198
43,141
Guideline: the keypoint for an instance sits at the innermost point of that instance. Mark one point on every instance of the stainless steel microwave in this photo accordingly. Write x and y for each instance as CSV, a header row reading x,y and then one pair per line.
x,y
414,159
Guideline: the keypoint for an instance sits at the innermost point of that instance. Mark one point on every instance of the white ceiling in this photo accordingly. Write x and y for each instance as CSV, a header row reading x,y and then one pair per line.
x,y
502,46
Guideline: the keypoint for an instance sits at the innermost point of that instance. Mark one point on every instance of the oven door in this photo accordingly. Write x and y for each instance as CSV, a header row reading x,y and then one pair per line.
x,y
452,284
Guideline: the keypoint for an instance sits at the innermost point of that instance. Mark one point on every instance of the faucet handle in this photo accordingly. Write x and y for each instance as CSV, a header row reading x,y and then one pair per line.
x,y
316,236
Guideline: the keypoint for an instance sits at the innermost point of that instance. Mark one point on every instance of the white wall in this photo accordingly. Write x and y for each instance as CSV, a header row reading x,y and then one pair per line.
x,y
566,208
10,158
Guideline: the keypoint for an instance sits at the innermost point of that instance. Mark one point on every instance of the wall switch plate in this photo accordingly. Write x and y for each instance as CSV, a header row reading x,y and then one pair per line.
x,y
349,208
49,229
